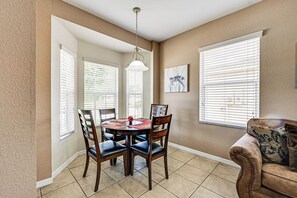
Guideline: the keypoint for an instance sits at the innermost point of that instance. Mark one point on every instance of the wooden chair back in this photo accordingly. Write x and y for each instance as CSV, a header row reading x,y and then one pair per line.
x,y
158,110
160,132
89,129
107,114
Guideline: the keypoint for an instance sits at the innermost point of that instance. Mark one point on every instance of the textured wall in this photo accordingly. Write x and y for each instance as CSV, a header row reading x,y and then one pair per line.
x,y
278,97
43,89
17,99
63,149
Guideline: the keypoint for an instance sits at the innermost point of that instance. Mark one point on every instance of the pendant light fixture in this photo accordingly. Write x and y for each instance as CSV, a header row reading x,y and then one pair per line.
x,y
137,64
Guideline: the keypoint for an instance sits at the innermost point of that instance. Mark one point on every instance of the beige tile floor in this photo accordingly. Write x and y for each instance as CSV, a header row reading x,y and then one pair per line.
x,y
189,176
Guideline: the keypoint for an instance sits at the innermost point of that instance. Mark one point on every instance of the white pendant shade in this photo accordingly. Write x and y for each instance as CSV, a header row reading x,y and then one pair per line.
x,y
136,65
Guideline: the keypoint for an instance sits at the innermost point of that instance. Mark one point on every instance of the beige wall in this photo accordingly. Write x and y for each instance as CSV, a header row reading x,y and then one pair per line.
x,y
17,99
43,88
155,72
62,149
278,97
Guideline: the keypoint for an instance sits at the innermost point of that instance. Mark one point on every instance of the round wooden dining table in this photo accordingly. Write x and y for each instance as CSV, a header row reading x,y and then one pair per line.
x,y
122,127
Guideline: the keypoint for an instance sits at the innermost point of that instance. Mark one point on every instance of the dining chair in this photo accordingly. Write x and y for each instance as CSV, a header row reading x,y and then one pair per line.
x,y
156,110
99,152
105,115
149,149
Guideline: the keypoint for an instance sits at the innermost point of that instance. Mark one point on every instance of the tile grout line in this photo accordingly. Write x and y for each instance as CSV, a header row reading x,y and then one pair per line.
x,y
124,189
204,180
77,182
157,183
60,186
191,180
168,190
223,178
178,174
103,170
215,175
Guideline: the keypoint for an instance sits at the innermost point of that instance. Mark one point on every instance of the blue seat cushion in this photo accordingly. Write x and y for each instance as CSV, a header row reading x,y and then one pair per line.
x,y
143,148
108,147
109,136
141,137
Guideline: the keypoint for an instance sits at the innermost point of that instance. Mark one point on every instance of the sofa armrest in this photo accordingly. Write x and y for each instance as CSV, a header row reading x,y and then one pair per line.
x,y
246,153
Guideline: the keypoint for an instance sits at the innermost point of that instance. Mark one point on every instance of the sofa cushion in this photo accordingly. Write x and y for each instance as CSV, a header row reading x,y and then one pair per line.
x,y
279,178
273,144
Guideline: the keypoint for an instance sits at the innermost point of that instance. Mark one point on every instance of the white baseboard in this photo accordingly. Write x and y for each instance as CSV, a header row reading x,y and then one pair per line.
x,y
64,165
202,154
50,180
81,152
44,182
71,159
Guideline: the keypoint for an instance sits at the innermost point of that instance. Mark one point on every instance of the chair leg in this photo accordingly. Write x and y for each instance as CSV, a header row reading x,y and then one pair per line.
x,y
150,174
133,140
125,158
86,165
132,163
102,137
114,161
98,176
166,166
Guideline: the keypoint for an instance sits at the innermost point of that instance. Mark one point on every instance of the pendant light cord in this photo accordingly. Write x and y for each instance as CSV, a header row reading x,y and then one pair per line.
x,y
137,55
136,29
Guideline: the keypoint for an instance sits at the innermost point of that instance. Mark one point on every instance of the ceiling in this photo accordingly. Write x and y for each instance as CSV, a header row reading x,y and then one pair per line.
x,y
96,38
161,19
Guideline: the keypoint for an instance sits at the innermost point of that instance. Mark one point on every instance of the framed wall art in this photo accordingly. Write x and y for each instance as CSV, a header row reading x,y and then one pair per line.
x,y
176,79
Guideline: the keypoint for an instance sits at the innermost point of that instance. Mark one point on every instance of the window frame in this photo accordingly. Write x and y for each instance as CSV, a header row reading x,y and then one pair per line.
x,y
134,94
256,83
117,93
65,49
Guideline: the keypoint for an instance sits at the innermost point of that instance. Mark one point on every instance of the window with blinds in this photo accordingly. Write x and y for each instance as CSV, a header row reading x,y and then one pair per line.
x,y
229,81
100,87
67,92
135,94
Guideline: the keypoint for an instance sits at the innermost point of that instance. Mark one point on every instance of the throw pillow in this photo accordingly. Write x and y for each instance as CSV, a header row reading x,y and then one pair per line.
x,y
273,144
291,131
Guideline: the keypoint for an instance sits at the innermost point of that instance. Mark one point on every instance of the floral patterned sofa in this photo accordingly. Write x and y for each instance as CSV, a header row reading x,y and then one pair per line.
x,y
257,179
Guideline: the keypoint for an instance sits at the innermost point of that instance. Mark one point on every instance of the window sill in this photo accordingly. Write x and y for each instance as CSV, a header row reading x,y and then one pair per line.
x,y
222,125
66,135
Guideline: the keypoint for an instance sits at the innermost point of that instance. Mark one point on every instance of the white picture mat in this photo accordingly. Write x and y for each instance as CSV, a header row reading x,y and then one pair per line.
x,y
176,79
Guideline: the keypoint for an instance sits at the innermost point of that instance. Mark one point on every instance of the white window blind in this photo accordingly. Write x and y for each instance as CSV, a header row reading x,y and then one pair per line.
x,y
100,87
67,92
229,81
135,94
